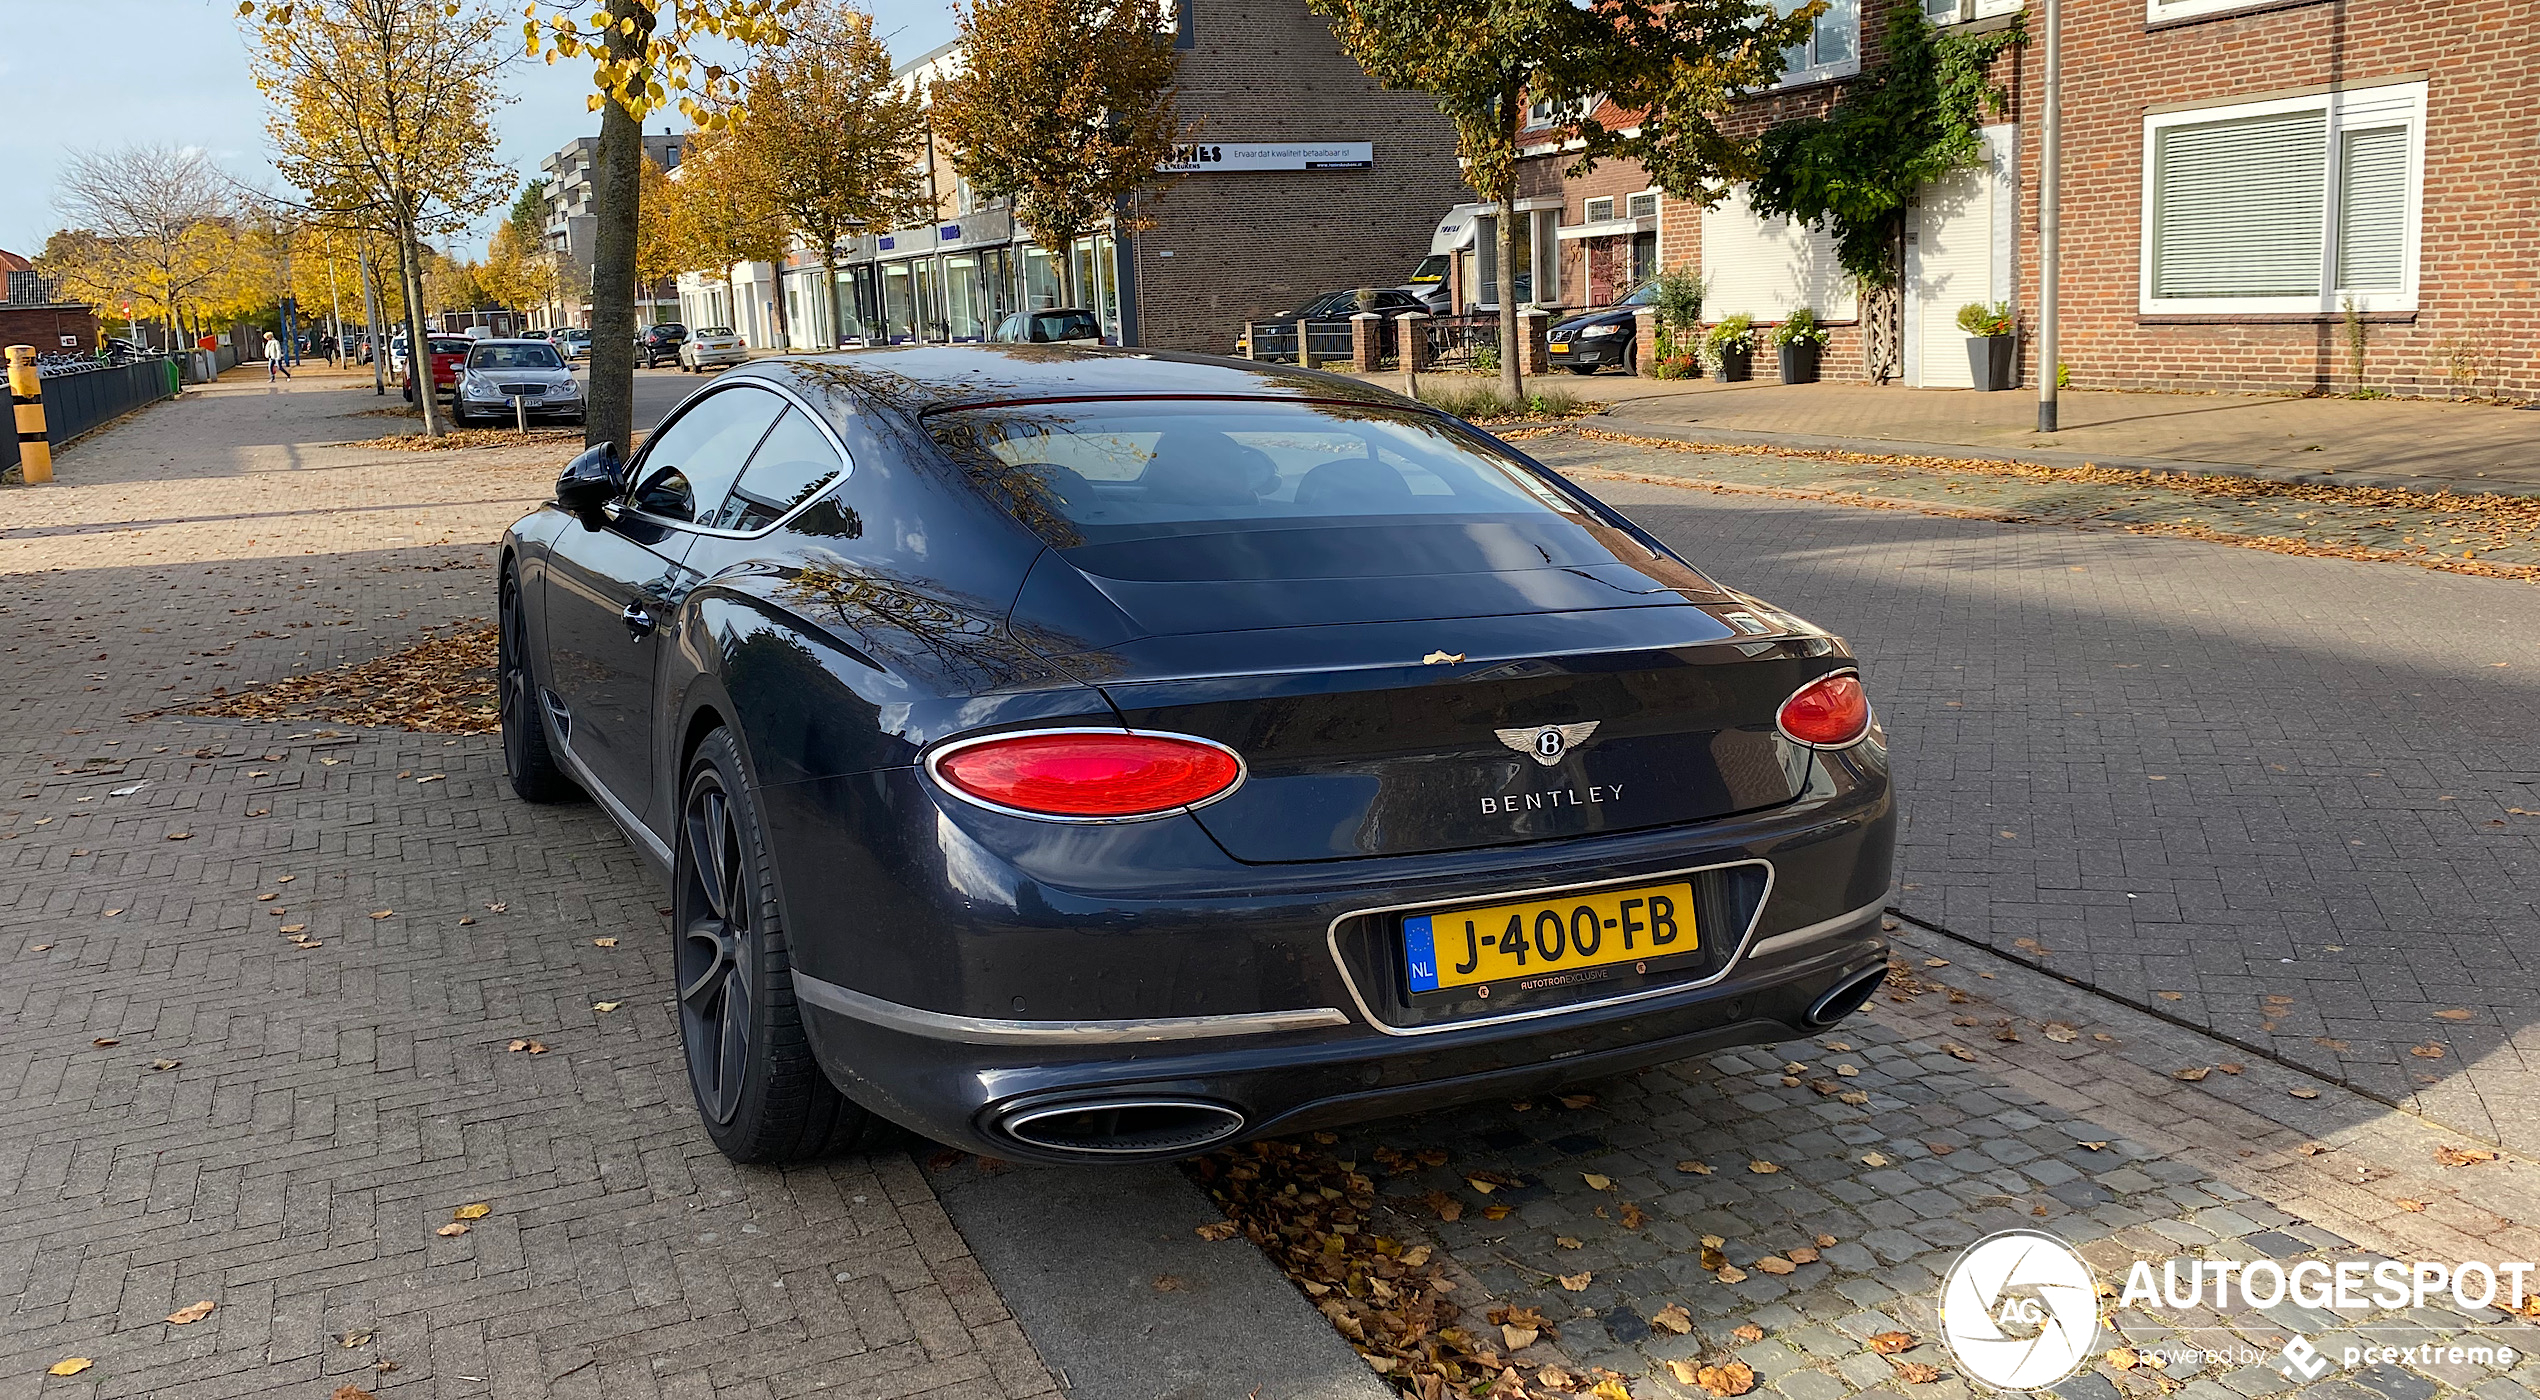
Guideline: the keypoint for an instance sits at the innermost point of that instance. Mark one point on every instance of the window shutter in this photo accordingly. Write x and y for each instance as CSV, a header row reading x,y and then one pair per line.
x,y
1766,268
2237,207
2372,210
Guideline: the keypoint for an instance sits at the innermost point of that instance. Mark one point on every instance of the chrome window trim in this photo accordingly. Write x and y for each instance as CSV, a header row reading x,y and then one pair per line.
x,y
1332,941
936,755
983,1030
634,472
1869,724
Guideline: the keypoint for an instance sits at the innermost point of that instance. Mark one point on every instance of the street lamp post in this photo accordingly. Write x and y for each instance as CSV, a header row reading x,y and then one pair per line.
x,y
2049,201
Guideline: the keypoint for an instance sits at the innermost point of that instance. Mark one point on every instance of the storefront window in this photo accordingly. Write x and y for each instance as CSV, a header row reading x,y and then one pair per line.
x,y
996,280
1040,279
898,304
962,299
929,289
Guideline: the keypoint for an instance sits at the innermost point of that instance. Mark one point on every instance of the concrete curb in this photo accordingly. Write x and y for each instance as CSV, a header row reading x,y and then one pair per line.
x,y
1077,1253
2052,458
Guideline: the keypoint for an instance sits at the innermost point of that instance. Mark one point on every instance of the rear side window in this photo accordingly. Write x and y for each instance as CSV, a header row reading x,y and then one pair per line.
x,y
1064,325
696,459
791,465
1098,473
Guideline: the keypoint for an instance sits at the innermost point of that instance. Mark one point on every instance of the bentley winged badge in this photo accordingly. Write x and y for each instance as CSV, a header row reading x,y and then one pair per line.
x,y
1546,743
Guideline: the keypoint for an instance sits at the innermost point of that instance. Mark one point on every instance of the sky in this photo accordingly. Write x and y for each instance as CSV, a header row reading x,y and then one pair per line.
x,y
86,74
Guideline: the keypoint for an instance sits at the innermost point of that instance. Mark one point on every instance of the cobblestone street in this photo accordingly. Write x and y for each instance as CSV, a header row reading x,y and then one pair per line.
x,y
2206,949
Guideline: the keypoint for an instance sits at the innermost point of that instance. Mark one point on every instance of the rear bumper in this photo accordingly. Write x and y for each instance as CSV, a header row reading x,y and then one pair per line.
x,y
733,356
1230,986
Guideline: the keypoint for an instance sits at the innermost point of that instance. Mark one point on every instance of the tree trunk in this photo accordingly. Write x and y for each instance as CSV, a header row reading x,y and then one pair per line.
x,y
784,323
1067,273
1511,337
373,313
611,406
418,343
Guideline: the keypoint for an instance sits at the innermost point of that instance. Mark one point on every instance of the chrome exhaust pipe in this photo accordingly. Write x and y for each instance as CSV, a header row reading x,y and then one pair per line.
x,y
1122,1126
1846,998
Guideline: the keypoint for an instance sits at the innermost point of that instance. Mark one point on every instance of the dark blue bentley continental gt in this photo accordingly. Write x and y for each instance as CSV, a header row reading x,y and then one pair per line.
x,y
1093,755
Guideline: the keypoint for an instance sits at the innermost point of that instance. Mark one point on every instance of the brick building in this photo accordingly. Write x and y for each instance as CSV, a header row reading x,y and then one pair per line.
x,y
33,313
2235,176
1304,177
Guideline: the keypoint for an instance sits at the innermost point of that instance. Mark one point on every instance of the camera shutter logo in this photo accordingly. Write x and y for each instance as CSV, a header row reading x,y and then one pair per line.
x,y
2020,1310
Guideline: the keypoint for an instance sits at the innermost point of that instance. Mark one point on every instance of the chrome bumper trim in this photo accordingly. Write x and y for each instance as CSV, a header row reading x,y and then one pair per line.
x,y
1781,943
981,1030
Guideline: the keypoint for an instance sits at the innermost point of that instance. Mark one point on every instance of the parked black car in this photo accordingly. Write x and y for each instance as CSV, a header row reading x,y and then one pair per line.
x,y
1094,755
1606,336
1278,333
660,343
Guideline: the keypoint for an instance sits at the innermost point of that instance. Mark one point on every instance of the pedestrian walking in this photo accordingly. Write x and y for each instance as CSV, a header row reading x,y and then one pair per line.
x,y
273,358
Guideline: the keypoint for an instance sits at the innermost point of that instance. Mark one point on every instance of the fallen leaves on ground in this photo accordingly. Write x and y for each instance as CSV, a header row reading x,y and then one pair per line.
x,y
2192,1074
1762,1168
1890,1343
465,439
1915,1372
1727,1378
474,1210
69,1366
2304,1093
1578,1282
1747,1332
1216,1230
1697,1168
1672,1318
1314,1217
2450,1156
2426,1052
442,685
531,1046
351,1392
451,1231
192,1312
1594,1181
2410,1206
2123,1359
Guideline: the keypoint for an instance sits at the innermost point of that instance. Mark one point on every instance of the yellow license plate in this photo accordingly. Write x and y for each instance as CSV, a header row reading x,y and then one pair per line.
x,y
1553,933
1560,347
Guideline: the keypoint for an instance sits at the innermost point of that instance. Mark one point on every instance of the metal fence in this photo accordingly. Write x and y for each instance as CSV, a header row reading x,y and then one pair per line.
x,y
1454,340
78,399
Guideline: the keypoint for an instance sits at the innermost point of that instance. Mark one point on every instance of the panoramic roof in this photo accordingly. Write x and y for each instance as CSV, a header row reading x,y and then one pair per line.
x,y
926,378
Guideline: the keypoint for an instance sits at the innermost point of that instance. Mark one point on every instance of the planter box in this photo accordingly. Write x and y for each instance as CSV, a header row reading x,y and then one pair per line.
x,y
1799,362
1735,365
1991,361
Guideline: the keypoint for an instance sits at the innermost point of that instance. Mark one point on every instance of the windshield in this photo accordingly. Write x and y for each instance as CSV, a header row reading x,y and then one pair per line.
x,y
1430,272
1101,473
513,357
1646,294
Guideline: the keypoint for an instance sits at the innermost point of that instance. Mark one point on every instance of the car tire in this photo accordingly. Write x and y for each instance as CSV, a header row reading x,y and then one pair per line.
x,y
527,761
761,1094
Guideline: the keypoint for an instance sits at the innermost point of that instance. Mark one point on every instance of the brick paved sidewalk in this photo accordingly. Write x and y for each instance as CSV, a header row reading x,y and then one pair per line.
x,y
195,1107
2429,443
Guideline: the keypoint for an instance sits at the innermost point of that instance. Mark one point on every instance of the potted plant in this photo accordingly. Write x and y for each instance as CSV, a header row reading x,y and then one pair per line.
x,y
1992,338
1678,304
1799,338
1732,345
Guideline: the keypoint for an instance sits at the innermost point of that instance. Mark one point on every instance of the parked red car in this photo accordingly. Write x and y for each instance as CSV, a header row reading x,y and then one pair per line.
x,y
447,353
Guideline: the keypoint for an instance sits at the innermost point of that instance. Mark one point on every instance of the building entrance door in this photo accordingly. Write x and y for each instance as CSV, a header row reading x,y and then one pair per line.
x,y
1958,249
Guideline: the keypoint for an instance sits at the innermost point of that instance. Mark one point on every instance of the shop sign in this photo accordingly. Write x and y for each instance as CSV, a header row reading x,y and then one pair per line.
x,y
1209,156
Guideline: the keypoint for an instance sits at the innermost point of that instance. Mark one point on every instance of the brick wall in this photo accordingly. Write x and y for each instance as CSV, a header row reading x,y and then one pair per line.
x,y
2480,253
44,326
1249,244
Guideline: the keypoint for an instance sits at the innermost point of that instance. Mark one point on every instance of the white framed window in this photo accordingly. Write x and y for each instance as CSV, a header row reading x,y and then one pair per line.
x,y
2291,205
1642,206
1833,49
1600,210
2155,11
1959,11
1545,111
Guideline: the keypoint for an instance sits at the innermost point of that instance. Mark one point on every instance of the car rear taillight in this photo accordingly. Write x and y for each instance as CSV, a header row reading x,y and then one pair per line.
x,y
1828,712
1089,775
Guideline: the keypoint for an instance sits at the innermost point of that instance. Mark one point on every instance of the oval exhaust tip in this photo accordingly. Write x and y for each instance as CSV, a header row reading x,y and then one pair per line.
x,y
1846,998
1123,1127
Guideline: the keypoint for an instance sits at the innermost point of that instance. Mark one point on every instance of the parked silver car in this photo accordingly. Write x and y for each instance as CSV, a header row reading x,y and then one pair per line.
x,y
497,372
714,345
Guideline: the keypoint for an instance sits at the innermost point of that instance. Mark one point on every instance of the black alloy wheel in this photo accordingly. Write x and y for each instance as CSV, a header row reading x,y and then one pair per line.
x,y
761,1094
535,774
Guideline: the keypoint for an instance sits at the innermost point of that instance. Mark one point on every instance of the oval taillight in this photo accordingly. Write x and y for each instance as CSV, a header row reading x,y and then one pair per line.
x,y
1828,712
1090,775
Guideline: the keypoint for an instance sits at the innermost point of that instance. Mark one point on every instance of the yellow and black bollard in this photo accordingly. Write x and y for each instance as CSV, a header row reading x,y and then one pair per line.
x,y
35,452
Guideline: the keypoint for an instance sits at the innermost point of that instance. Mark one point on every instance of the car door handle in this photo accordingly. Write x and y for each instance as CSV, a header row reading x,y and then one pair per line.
x,y
639,623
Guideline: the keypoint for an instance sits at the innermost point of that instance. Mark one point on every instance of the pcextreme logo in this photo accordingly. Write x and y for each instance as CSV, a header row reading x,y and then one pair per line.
x,y
2020,1311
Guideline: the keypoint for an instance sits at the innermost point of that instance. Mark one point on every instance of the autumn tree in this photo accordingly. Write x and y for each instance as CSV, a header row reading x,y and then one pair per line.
x,y
645,56
838,143
158,214
1068,107
721,211
1674,63
382,113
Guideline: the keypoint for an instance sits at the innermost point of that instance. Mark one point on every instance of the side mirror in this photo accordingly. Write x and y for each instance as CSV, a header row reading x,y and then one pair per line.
x,y
589,483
